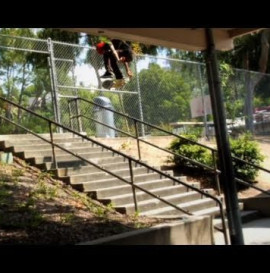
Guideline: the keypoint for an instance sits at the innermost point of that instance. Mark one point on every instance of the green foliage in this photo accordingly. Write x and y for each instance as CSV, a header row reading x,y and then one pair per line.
x,y
5,192
245,149
196,56
42,190
136,220
23,79
261,91
99,211
68,218
17,172
164,126
162,91
192,151
196,131
59,35
11,218
228,78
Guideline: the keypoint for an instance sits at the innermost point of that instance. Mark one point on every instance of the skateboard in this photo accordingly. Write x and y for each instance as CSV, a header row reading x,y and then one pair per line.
x,y
113,83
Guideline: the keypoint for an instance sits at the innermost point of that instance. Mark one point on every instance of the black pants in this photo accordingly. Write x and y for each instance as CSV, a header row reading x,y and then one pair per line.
x,y
110,63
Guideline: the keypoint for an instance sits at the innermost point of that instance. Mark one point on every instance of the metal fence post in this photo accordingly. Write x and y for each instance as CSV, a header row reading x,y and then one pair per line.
x,y
203,103
139,95
54,82
52,88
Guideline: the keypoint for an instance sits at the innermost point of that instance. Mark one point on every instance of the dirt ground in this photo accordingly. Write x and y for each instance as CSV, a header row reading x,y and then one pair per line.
x,y
36,209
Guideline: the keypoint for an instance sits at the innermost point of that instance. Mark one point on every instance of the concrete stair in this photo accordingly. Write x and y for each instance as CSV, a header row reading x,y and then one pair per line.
x,y
106,187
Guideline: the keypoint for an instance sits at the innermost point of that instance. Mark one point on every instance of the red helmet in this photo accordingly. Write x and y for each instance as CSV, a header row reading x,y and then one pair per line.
x,y
100,48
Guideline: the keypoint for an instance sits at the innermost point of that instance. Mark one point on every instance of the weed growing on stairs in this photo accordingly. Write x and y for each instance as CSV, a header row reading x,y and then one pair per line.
x,y
67,218
17,172
137,223
5,193
99,211
42,190
126,145
110,206
87,202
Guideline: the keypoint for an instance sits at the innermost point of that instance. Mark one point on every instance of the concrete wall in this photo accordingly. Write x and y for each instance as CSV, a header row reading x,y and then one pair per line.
x,y
189,231
260,203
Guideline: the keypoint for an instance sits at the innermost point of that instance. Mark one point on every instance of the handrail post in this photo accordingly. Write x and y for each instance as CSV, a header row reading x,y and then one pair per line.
x,y
78,114
137,138
69,112
216,173
53,151
225,233
132,185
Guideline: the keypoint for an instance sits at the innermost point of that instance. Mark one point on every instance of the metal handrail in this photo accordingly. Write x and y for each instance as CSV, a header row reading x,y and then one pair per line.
x,y
213,150
214,170
130,159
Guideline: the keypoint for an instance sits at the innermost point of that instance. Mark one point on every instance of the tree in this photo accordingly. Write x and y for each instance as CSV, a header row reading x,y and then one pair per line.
x,y
246,54
15,72
59,35
165,96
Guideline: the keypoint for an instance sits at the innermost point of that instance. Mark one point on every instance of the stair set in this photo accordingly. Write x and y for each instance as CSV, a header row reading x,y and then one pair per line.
x,y
103,186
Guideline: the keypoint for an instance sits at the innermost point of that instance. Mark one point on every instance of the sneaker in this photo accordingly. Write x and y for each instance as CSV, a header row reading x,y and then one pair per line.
x,y
107,75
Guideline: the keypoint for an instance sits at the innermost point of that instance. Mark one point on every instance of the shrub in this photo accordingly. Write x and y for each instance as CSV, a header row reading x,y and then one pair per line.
x,y
245,149
192,151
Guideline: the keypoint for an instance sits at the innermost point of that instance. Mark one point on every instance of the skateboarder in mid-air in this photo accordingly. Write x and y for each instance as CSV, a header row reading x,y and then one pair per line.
x,y
114,51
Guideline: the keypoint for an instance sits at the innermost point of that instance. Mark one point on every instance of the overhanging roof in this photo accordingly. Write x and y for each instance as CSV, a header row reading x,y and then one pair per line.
x,y
192,39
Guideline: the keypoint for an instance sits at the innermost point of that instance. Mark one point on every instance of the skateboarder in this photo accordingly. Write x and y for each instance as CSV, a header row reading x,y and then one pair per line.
x,y
114,51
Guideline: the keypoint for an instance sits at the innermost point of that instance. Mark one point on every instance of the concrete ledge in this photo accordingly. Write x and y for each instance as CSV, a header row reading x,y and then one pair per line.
x,y
260,203
190,231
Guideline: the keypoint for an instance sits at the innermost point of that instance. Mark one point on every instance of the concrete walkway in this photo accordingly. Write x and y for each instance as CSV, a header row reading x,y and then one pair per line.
x,y
256,232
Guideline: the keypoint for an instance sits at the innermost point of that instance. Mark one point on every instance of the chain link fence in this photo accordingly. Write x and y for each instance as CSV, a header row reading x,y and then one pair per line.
x,y
43,75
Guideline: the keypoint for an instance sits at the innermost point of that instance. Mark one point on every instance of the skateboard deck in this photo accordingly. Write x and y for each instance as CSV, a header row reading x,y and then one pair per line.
x,y
113,83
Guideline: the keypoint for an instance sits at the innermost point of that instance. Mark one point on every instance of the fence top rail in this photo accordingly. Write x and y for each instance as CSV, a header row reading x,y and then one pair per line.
x,y
169,59
24,38
75,45
97,89
23,49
